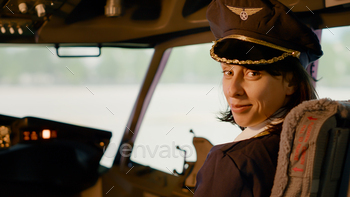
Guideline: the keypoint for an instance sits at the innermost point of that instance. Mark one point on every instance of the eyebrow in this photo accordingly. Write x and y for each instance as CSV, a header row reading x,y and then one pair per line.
x,y
230,66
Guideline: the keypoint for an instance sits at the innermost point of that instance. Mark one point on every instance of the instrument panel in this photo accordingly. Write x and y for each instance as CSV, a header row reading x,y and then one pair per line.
x,y
41,157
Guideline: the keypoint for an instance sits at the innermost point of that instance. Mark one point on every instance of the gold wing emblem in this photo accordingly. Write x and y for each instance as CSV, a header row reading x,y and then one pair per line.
x,y
244,12
235,10
251,11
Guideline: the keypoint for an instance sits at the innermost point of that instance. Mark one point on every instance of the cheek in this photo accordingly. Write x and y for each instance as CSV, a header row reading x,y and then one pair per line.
x,y
267,97
258,93
273,97
225,89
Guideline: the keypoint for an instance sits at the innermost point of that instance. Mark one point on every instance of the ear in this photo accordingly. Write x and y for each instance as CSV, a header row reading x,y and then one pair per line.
x,y
290,89
289,86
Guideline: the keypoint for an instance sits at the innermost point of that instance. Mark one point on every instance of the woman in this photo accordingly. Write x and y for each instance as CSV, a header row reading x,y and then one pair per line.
x,y
263,50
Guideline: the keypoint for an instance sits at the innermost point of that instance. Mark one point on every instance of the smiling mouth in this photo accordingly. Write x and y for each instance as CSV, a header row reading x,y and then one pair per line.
x,y
240,108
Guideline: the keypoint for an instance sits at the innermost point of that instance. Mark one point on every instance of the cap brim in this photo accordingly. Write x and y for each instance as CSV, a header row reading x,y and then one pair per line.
x,y
238,51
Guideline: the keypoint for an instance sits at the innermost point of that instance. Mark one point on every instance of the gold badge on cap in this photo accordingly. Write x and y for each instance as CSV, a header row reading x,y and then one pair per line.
x,y
244,12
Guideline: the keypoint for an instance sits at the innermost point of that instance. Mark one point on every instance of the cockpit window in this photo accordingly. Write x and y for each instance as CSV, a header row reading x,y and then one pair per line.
x,y
334,67
188,96
95,92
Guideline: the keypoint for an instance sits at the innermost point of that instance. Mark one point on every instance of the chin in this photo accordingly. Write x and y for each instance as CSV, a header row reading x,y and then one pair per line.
x,y
246,122
241,123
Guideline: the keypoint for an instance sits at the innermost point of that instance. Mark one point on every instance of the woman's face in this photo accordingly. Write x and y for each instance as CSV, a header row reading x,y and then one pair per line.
x,y
252,95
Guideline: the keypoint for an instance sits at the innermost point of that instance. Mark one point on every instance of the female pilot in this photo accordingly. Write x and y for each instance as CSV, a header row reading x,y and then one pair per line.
x,y
263,50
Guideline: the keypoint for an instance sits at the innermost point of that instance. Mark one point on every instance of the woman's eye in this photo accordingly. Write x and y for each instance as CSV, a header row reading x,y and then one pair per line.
x,y
253,74
227,72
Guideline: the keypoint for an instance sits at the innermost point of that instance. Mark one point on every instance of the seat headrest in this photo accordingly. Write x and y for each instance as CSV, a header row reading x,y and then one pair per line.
x,y
305,128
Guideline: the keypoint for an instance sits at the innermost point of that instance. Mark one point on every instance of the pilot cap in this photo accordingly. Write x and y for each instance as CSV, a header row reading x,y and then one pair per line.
x,y
259,32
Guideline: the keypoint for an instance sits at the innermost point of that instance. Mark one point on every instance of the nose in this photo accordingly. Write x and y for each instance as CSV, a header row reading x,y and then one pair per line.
x,y
235,88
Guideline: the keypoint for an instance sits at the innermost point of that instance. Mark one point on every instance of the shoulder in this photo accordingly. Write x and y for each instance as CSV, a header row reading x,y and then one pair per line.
x,y
259,150
265,144
268,142
254,149
219,176
217,158
236,167
218,150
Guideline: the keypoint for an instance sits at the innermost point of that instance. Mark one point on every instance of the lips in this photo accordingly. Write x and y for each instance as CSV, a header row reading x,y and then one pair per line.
x,y
240,108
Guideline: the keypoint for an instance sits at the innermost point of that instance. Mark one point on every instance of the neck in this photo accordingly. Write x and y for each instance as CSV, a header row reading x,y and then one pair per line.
x,y
251,131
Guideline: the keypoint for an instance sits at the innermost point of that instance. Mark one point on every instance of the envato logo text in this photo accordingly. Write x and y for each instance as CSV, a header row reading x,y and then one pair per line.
x,y
150,151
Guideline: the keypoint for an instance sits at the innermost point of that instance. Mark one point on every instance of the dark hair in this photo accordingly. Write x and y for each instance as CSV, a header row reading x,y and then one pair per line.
x,y
304,90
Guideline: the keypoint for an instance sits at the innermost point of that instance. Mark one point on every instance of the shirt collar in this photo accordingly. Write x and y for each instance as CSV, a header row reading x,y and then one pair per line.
x,y
250,132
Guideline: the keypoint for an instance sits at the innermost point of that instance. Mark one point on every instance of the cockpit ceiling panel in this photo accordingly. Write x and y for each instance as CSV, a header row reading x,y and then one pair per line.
x,y
192,6
104,29
86,21
22,20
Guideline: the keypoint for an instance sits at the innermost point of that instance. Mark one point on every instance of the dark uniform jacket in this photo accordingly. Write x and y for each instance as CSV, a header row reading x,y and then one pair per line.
x,y
245,168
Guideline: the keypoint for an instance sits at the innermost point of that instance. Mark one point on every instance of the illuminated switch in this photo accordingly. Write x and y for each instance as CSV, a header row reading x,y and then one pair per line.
x,y
7,138
4,130
4,137
40,10
12,31
3,29
20,31
113,8
23,8
46,134
34,136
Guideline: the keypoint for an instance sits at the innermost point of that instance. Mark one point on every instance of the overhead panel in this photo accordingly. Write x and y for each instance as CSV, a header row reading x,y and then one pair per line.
x,y
303,5
330,3
138,21
21,19
192,6
146,22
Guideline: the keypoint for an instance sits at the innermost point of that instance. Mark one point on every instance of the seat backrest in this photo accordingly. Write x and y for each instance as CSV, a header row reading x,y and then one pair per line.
x,y
202,147
314,150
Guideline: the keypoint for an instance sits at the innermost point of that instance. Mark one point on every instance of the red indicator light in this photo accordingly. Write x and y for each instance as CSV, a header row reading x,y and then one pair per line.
x,y
46,134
